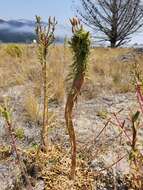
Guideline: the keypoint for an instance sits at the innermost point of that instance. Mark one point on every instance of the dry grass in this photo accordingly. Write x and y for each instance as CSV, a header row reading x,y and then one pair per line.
x,y
53,168
32,108
109,70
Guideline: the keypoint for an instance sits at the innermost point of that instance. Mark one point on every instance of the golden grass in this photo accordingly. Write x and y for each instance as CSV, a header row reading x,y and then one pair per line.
x,y
54,170
32,108
106,73
106,70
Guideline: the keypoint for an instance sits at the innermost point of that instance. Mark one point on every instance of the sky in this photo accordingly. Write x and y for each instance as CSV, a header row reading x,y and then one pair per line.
x,y
27,9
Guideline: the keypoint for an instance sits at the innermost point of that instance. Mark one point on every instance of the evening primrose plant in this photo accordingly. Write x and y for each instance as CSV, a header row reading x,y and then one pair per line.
x,y
45,37
80,47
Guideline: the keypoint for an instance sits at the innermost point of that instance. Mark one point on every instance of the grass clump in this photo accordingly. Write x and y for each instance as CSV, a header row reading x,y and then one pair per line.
x,y
32,109
19,133
14,50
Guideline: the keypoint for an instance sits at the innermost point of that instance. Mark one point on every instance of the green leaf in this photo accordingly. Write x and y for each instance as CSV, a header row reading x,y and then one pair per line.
x,y
135,116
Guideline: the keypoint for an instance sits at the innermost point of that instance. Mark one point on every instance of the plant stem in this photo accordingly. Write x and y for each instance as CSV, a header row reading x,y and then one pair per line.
x,y
21,165
45,104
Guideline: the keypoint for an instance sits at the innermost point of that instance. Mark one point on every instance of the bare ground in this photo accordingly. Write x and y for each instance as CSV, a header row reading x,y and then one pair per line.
x,y
90,116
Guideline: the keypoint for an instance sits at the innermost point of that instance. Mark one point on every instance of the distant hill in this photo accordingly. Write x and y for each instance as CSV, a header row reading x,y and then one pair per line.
x,y
23,31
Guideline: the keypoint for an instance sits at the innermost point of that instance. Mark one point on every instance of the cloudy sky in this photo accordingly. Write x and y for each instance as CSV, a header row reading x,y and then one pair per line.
x,y
27,9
